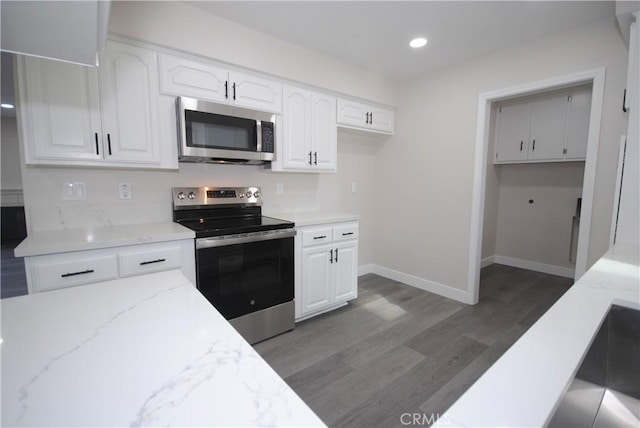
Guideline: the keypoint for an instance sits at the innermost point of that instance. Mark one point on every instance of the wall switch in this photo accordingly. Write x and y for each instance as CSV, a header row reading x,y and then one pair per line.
x,y
76,191
354,187
279,189
67,191
124,189
80,191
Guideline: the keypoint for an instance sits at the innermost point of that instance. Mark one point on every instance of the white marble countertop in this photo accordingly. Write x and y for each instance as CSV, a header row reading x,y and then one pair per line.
x,y
524,387
140,351
65,240
311,218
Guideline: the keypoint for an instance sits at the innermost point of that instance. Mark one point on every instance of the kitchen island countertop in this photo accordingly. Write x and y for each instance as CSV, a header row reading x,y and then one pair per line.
x,y
524,387
90,238
140,351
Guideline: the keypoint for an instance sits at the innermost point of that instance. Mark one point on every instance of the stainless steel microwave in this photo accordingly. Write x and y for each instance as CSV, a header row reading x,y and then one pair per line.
x,y
219,133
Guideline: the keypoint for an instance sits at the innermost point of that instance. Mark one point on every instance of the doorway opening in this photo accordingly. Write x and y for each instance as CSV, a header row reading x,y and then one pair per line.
x,y
488,105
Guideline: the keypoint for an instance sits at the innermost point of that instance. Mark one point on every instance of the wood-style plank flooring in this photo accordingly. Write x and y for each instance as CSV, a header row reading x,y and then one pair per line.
x,y
13,279
398,349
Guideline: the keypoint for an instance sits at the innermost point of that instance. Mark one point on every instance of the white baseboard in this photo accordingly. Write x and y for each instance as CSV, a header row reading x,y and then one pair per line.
x,y
487,261
414,281
365,269
535,266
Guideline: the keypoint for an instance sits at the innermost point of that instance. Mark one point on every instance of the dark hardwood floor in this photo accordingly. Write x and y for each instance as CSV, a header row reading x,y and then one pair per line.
x,y
398,349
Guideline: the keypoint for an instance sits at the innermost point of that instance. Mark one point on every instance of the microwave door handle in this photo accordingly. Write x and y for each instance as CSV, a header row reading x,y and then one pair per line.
x,y
258,135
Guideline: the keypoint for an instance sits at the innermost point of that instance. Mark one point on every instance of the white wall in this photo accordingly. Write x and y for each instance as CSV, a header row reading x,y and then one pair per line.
x,y
541,231
179,25
492,192
11,177
428,165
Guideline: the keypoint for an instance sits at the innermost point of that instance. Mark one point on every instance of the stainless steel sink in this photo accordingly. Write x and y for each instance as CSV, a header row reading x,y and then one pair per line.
x,y
606,389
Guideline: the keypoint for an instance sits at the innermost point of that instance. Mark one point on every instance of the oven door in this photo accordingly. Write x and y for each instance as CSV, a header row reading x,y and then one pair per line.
x,y
241,275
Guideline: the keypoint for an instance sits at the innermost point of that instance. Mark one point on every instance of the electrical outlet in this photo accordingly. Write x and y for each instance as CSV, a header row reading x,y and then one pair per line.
x,y
124,190
354,187
67,191
279,189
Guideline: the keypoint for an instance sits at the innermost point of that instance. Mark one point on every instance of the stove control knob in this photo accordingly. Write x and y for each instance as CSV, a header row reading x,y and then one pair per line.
x,y
248,194
191,195
256,194
240,195
181,195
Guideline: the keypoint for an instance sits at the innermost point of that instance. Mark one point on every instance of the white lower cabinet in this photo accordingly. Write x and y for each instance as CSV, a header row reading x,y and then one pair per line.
x,y
60,270
326,267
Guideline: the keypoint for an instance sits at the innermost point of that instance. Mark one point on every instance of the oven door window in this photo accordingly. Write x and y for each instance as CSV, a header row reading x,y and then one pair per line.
x,y
244,278
215,131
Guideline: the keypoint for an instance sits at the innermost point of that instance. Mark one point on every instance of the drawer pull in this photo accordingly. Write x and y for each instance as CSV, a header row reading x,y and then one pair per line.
x,y
65,275
320,237
152,261
347,234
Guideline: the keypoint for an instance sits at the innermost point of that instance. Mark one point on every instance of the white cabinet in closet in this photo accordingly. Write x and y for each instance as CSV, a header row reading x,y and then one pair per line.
x,y
106,116
327,267
549,128
308,141
355,115
197,79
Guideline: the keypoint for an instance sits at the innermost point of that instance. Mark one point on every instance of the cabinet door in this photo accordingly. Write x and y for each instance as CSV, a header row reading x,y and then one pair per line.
x,y
184,77
129,83
253,92
352,113
316,278
548,128
345,266
324,132
512,133
382,120
578,124
60,111
296,147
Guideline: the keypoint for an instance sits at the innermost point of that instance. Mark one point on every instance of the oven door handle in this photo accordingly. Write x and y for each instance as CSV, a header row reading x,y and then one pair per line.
x,y
222,241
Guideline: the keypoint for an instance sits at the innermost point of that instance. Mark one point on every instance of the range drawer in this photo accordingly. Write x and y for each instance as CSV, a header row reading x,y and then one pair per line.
x,y
345,231
141,261
50,272
316,236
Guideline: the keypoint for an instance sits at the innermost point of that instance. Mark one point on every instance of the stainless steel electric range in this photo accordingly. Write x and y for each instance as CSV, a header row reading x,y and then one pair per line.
x,y
244,260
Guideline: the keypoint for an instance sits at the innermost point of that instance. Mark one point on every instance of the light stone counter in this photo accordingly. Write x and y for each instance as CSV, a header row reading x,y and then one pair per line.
x,y
314,217
524,387
140,351
65,240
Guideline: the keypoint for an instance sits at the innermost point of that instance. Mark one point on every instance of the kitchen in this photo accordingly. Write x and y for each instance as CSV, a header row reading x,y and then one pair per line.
x,y
401,252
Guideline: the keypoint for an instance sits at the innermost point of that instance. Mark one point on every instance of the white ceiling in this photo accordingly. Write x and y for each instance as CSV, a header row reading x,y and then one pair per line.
x,y
374,35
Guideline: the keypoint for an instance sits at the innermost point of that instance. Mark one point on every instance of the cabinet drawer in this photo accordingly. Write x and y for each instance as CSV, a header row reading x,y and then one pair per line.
x,y
138,262
345,232
50,272
316,236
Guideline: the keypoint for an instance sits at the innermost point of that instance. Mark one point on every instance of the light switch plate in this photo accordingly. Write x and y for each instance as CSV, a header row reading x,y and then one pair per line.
x,y
67,192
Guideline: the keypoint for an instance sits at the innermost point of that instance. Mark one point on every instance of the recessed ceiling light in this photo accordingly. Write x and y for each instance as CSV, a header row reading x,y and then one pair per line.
x,y
418,42
5,105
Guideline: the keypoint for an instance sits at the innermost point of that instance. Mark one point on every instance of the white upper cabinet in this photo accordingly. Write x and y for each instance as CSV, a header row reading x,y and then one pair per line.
x,y
129,88
547,132
361,116
185,77
309,136
60,108
74,115
551,128
578,124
